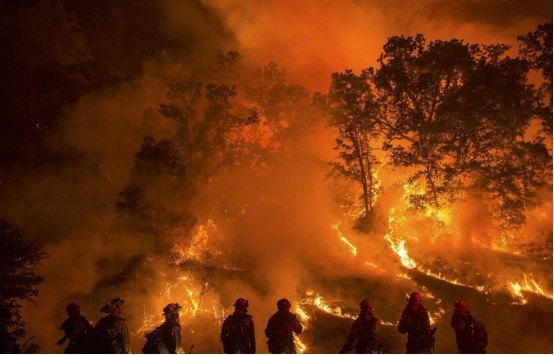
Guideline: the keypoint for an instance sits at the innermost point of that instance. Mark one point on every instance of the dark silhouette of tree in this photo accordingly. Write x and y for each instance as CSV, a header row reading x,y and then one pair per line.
x,y
413,82
536,48
497,107
18,281
353,113
151,199
281,107
208,137
209,121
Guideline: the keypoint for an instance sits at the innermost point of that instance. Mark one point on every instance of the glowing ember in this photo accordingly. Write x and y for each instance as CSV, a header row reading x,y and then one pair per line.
x,y
373,265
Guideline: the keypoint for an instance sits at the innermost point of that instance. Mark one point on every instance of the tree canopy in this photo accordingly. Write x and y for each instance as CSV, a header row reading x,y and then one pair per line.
x,y
456,115
19,257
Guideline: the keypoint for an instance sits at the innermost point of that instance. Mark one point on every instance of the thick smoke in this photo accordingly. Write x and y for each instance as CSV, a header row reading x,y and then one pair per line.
x,y
277,240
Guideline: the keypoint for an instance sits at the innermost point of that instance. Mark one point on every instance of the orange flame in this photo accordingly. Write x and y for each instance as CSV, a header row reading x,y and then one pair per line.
x,y
343,239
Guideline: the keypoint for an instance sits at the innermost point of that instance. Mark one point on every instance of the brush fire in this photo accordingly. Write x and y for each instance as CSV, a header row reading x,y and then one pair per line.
x,y
198,177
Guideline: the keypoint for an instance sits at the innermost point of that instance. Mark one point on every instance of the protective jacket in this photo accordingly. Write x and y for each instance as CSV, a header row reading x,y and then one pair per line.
x,y
363,336
279,331
78,330
471,336
415,321
170,333
111,336
237,334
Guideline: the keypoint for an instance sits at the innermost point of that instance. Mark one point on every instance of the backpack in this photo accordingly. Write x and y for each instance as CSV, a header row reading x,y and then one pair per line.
x,y
480,337
231,334
102,343
280,335
88,336
154,342
474,337
367,340
234,333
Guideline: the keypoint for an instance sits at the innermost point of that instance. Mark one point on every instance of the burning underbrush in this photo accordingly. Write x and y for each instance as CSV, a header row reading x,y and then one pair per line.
x,y
503,292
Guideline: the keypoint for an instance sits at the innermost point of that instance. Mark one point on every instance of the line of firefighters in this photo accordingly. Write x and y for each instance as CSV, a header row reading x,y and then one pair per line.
x,y
111,335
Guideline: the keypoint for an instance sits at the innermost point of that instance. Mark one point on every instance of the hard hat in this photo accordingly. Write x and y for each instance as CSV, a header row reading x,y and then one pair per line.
x,y
415,297
283,302
112,305
172,308
72,306
365,304
241,303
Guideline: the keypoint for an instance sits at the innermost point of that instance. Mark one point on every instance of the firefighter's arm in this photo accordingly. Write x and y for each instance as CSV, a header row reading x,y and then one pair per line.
x,y
252,335
175,340
427,321
352,335
376,326
62,340
224,329
403,323
296,326
125,338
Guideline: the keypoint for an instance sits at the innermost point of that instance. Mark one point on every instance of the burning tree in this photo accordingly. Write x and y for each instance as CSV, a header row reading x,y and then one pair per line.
x,y
456,115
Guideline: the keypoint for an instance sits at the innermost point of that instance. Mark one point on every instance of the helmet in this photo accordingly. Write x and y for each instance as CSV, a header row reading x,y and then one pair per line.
x,y
112,305
72,307
172,308
241,303
461,307
365,304
283,303
414,298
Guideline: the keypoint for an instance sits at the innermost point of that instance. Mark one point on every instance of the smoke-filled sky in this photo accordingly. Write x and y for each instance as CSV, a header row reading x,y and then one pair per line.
x,y
68,144
314,38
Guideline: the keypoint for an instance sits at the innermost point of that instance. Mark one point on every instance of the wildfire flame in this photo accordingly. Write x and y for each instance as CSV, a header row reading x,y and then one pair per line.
x,y
315,299
343,239
320,303
528,285
300,347
398,245
304,318
186,289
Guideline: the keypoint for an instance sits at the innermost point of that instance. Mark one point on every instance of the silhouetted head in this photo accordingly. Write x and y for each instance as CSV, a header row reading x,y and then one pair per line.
x,y
415,298
73,309
172,308
283,304
241,305
171,311
366,305
113,306
460,307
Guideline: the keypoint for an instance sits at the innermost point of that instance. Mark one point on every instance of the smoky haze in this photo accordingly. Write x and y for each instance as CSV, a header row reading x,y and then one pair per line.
x,y
276,238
